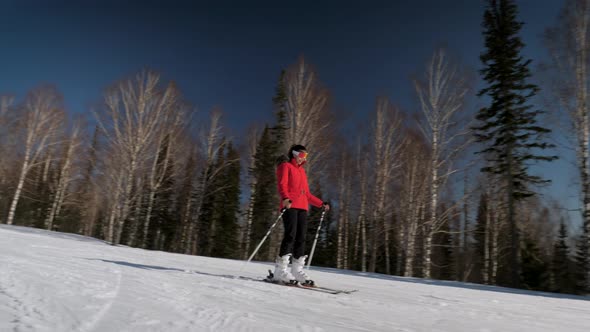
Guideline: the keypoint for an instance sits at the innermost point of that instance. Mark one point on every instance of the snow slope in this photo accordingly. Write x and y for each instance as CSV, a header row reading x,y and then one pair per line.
x,y
53,281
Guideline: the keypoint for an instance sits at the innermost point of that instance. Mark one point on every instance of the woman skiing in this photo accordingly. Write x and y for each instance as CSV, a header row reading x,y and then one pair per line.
x,y
295,197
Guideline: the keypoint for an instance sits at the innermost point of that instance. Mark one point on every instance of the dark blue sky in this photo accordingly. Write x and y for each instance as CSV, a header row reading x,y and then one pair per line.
x,y
229,53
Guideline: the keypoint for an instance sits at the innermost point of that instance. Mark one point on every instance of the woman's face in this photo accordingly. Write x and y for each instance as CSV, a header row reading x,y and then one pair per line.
x,y
300,157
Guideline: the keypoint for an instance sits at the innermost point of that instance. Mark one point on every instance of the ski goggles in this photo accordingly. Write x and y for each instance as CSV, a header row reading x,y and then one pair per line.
x,y
300,154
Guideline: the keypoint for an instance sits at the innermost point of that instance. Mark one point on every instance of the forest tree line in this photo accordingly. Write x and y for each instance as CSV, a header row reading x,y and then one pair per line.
x,y
442,191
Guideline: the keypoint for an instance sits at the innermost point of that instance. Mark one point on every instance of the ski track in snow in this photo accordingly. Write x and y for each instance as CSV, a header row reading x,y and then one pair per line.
x,y
110,297
22,311
53,281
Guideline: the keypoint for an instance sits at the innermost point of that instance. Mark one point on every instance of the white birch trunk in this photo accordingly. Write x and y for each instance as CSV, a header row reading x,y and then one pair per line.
x,y
212,147
340,228
253,138
42,117
308,114
346,206
442,96
19,188
134,217
64,180
360,246
569,47
113,213
431,224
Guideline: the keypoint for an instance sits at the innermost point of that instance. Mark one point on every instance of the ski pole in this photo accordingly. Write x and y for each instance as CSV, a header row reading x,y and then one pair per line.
x,y
267,234
315,241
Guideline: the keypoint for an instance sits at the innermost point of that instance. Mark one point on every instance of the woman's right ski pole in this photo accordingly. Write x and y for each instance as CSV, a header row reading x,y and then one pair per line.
x,y
315,241
267,234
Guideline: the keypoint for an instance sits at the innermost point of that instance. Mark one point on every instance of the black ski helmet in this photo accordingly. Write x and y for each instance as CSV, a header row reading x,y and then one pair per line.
x,y
295,147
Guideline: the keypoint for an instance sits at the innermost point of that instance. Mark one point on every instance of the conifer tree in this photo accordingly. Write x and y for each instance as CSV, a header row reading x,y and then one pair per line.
x,y
561,277
225,234
165,220
582,265
508,126
443,267
265,204
211,204
534,267
280,130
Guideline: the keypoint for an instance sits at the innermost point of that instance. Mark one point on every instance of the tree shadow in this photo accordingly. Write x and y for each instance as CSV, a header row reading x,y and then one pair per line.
x,y
440,283
456,284
139,266
163,268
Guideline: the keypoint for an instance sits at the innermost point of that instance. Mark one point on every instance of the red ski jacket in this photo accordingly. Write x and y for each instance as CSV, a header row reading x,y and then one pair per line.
x,y
292,184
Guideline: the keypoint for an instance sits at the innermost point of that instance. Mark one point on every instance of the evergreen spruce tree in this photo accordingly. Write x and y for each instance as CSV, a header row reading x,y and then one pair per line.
x,y
165,221
509,128
211,204
534,267
582,266
270,151
85,189
265,202
443,267
561,278
280,104
185,199
450,247
227,206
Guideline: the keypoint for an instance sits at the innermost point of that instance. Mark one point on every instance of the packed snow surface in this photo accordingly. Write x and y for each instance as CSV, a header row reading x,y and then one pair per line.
x,y
52,281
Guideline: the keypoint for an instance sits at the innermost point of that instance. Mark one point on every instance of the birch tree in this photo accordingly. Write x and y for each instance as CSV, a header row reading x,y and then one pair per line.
x,y
88,191
187,193
570,52
307,113
134,109
495,217
342,231
387,140
165,145
40,120
210,147
412,203
6,103
360,242
442,95
252,142
65,177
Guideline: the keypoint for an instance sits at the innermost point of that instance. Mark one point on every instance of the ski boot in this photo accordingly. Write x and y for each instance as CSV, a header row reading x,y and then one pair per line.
x,y
282,274
299,274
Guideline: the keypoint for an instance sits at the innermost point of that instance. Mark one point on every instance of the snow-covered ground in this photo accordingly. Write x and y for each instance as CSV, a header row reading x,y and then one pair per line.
x,y
53,281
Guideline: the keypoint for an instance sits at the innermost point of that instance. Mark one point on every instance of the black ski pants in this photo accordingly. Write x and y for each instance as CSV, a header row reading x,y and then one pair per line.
x,y
295,223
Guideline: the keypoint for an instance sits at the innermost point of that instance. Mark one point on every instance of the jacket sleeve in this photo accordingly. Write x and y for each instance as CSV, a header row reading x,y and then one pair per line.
x,y
314,200
283,181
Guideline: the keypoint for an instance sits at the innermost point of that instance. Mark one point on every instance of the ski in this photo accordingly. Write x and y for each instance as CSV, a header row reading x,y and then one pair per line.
x,y
333,290
313,287
296,285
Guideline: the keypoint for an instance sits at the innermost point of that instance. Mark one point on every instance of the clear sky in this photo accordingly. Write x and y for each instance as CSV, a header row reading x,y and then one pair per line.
x,y
229,53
